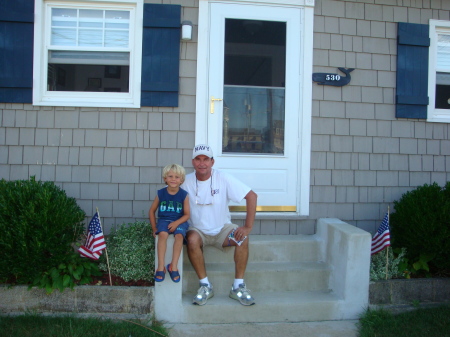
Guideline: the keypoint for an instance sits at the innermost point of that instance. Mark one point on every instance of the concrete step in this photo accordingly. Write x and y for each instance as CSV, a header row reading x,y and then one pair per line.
x,y
289,275
266,248
286,306
263,276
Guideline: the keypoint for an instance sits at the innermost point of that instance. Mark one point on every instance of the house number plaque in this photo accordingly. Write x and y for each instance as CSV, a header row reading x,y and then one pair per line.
x,y
333,79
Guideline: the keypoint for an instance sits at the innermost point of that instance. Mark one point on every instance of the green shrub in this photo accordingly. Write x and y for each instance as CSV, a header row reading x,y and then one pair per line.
x,y
38,224
395,266
421,224
74,270
131,252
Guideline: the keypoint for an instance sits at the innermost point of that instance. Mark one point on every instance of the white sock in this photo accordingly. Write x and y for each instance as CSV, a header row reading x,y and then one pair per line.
x,y
205,281
237,282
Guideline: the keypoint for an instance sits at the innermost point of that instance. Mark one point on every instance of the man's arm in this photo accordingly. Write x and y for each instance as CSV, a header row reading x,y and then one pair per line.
x,y
250,200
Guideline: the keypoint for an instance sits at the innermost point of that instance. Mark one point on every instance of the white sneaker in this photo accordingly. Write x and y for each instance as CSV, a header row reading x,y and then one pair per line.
x,y
203,294
242,294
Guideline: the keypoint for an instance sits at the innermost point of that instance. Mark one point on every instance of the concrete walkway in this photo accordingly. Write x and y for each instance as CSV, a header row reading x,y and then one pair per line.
x,y
307,329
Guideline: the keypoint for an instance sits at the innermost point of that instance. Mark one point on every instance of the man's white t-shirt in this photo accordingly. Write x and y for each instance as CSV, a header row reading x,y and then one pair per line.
x,y
209,200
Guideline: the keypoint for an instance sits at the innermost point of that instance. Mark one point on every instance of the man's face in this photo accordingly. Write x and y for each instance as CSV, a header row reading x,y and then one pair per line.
x,y
203,165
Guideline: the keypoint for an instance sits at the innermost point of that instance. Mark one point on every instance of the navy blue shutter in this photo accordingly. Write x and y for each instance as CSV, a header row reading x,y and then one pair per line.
x,y
160,55
412,70
16,50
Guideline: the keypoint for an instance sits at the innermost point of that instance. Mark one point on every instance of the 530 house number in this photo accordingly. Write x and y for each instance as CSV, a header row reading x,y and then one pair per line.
x,y
333,79
330,77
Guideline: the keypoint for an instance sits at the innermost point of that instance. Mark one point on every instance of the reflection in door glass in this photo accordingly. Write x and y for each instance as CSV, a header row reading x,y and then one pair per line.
x,y
254,88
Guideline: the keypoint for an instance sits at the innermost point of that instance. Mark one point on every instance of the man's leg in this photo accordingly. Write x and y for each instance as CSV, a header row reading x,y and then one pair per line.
x,y
240,257
239,290
195,253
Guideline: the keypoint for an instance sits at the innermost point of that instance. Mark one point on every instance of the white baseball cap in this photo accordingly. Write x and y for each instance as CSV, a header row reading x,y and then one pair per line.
x,y
202,149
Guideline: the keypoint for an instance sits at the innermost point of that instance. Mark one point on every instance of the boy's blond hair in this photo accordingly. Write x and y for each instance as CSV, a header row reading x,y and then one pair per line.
x,y
175,168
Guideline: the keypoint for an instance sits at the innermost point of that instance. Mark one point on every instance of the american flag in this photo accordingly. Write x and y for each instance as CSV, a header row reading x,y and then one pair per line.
x,y
382,237
95,241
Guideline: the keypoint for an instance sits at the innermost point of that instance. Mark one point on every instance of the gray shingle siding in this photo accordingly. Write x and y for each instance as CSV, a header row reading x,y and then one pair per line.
x,y
362,157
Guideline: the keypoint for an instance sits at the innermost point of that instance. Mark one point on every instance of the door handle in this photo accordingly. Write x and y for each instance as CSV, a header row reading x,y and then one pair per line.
x,y
211,107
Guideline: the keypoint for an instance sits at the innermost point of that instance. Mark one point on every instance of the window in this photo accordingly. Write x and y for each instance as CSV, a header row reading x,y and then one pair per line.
x,y
88,53
254,86
439,72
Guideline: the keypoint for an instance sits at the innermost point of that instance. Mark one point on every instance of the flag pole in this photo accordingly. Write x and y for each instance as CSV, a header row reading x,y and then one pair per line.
x,y
106,248
387,252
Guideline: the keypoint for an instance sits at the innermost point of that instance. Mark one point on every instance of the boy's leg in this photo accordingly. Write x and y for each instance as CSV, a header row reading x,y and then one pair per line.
x,y
177,246
162,245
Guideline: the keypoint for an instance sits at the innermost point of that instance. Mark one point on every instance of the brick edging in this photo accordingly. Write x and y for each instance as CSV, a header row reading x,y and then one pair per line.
x,y
406,291
139,300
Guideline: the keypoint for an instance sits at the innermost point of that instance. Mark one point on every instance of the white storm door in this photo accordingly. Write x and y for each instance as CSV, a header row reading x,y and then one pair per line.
x,y
253,98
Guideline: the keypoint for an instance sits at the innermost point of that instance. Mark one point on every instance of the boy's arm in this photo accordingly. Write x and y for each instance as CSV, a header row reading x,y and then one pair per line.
x,y
185,217
152,212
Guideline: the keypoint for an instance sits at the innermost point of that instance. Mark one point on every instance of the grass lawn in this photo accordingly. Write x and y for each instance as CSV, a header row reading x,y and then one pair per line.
x,y
32,325
429,322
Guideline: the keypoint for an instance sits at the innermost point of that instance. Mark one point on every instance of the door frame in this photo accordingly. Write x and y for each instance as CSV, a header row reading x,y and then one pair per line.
x,y
304,127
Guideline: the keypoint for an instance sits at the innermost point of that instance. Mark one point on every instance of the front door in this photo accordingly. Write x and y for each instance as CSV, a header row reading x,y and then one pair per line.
x,y
252,103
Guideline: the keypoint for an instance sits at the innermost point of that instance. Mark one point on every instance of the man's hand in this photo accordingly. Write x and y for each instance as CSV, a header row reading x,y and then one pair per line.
x,y
241,232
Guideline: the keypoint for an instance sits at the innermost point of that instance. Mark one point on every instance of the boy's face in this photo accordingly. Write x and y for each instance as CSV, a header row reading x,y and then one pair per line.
x,y
173,180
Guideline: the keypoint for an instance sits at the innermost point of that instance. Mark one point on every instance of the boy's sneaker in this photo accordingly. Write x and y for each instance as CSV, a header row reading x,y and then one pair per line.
x,y
203,294
242,294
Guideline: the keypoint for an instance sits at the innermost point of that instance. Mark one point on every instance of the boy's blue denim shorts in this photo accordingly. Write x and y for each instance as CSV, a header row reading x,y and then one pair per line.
x,y
163,226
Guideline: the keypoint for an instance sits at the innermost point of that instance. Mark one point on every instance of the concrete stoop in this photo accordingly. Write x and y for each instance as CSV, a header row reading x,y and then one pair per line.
x,y
293,278
271,307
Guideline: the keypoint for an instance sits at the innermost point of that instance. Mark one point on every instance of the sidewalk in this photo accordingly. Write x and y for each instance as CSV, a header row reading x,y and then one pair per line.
x,y
307,329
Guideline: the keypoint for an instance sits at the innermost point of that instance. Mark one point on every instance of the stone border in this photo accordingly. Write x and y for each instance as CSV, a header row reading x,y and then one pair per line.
x,y
139,301
134,301
408,291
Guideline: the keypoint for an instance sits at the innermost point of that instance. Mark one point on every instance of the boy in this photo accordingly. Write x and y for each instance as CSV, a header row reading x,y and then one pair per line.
x,y
172,203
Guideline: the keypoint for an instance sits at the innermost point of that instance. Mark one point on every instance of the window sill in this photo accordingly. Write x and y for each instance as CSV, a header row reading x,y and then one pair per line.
x,y
439,116
114,100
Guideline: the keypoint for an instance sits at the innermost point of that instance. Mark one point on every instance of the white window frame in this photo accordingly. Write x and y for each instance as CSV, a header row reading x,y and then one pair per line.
x,y
433,114
44,97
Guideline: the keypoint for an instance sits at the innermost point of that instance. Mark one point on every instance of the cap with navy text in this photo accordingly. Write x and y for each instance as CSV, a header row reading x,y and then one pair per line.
x,y
202,149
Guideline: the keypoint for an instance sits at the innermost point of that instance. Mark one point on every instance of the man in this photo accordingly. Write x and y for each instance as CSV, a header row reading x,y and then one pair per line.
x,y
210,191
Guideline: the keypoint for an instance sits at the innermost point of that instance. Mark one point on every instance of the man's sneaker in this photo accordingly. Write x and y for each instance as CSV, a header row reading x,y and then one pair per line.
x,y
203,294
242,294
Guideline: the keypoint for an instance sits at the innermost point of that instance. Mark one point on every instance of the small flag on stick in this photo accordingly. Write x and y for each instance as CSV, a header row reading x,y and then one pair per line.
x,y
382,237
95,241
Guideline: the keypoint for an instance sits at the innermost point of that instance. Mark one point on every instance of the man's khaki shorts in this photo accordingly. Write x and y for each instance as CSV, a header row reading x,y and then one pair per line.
x,y
215,240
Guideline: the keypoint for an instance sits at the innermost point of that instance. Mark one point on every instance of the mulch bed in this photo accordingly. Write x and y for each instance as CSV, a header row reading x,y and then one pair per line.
x,y
103,280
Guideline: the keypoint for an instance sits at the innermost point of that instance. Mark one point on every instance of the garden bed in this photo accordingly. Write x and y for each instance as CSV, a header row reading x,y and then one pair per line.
x,y
118,281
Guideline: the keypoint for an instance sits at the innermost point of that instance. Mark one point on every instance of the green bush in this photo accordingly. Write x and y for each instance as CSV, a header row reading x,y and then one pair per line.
x,y
70,272
38,224
131,252
421,224
394,263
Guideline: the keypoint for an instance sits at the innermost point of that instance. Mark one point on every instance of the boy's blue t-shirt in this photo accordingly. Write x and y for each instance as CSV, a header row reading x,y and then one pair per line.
x,y
170,206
